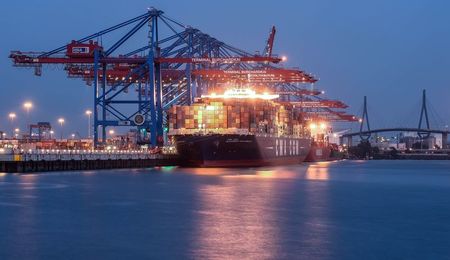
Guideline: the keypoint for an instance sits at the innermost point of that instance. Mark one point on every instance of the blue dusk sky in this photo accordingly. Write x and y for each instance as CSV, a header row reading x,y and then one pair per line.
x,y
387,50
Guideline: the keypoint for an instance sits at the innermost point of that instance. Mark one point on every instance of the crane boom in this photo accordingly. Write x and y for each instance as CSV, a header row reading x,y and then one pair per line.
x,y
269,45
20,58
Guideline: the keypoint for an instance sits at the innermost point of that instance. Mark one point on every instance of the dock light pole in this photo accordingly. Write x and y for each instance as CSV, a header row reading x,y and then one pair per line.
x,y
28,106
12,116
89,113
111,133
61,123
17,130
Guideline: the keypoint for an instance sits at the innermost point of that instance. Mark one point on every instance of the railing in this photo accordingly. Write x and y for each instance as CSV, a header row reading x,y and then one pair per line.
x,y
67,155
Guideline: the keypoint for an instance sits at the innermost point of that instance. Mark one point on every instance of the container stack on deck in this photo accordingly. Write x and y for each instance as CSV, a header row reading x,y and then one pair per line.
x,y
265,117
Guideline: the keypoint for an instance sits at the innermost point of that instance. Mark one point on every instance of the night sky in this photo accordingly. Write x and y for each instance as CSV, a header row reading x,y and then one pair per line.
x,y
387,50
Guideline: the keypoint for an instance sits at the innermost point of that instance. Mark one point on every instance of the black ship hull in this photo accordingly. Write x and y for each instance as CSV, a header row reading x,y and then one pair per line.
x,y
234,150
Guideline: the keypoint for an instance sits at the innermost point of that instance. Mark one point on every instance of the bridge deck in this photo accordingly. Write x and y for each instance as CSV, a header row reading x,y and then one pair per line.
x,y
398,129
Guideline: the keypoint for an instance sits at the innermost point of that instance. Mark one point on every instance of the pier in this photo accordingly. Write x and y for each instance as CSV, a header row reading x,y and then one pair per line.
x,y
69,160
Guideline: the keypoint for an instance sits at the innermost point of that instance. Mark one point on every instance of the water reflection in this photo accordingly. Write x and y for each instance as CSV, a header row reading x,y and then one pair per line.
x,y
208,171
293,172
24,222
316,211
164,168
314,229
255,213
261,213
235,220
318,172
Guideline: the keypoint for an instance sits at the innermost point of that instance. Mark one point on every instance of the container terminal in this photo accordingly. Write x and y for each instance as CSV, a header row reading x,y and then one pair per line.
x,y
184,97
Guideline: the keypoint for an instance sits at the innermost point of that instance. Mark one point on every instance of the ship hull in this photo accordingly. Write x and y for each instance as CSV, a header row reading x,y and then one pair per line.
x,y
233,150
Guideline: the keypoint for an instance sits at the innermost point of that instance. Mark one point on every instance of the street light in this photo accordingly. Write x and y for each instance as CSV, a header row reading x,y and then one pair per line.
x,y
51,134
28,105
61,122
111,133
12,116
89,113
17,130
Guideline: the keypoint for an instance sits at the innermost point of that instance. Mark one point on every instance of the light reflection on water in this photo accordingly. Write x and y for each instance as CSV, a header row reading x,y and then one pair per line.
x,y
235,221
312,211
251,173
317,173
26,216
241,216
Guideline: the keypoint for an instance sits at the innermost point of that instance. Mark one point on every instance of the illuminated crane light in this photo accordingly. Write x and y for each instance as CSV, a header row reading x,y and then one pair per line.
x,y
27,105
242,94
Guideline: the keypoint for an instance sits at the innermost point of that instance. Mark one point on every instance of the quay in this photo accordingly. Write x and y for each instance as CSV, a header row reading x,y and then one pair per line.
x,y
69,160
418,154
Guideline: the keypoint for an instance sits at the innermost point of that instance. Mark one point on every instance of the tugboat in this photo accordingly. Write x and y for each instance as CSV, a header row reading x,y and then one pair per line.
x,y
321,149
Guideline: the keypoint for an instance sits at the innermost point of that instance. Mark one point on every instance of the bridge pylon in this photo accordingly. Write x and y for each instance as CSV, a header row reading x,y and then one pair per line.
x,y
424,115
365,117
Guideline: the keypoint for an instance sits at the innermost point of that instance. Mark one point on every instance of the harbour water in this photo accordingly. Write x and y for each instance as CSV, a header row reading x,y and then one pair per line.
x,y
337,210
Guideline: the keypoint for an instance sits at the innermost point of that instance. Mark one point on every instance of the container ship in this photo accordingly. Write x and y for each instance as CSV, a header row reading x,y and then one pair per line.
x,y
238,128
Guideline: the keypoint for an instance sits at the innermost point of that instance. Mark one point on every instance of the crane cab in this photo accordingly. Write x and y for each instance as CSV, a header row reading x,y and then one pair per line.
x,y
82,50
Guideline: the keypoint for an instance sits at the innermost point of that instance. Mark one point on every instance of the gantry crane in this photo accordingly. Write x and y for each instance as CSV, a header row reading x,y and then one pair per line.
x,y
174,64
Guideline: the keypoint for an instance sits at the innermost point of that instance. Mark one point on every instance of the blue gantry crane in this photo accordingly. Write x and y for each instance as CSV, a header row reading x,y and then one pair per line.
x,y
173,65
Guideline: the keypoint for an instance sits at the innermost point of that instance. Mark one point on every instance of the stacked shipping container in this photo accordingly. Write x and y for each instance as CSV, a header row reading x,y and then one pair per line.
x,y
221,115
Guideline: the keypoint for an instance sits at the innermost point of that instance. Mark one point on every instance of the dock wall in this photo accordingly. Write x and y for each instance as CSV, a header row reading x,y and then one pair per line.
x,y
40,162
